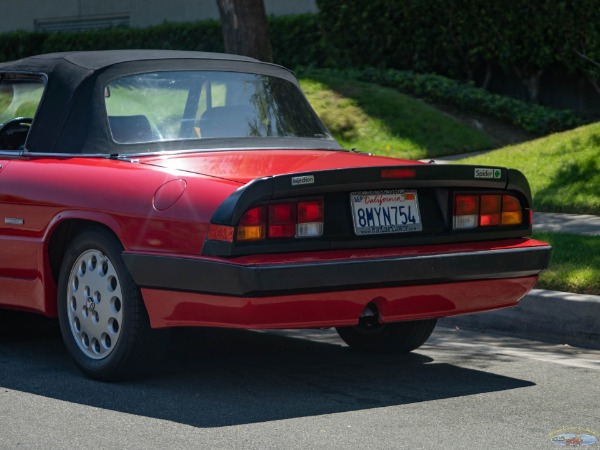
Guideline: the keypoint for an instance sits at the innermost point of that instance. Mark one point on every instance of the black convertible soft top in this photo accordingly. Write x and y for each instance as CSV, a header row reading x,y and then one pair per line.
x,y
95,60
71,117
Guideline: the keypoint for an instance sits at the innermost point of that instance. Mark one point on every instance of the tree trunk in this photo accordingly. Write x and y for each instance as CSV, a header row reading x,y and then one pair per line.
x,y
245,29
531,80
488,76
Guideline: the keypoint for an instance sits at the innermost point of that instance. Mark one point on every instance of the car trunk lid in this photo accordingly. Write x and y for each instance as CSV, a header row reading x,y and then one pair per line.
x,y
244,166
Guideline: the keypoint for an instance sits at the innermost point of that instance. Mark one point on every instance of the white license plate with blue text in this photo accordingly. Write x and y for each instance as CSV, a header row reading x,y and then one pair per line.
x,y
388,211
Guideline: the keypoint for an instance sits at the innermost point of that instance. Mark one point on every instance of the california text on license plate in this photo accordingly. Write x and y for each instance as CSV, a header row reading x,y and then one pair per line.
x,y
389,211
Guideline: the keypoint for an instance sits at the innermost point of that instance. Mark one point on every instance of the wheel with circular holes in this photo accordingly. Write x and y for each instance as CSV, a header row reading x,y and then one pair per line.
x,y
103,321
391,338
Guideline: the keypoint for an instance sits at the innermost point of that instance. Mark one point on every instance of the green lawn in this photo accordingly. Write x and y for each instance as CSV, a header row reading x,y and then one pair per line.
x,y
563,169
380,120
574,265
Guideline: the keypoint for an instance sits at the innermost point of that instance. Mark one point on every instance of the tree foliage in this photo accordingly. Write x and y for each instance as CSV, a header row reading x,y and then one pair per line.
x,y
461,38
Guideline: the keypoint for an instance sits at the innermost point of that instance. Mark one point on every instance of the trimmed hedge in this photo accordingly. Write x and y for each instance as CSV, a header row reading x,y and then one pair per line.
x,y
465,96
203,36
297,40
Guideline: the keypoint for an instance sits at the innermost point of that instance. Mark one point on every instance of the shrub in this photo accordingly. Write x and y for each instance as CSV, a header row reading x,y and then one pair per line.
x,y
297,40
465,96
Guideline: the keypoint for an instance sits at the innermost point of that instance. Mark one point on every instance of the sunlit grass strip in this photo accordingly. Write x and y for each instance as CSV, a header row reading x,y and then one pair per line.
x,y
574,265
383,121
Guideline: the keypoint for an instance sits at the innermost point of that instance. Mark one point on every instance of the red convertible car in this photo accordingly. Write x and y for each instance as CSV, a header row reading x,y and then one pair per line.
x,y
142,190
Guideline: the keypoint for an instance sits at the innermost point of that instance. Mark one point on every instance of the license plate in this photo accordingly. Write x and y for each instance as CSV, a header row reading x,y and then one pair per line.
x,y
381,212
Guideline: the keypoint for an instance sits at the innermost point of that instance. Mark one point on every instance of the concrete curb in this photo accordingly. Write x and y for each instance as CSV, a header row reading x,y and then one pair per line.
x,y
552,316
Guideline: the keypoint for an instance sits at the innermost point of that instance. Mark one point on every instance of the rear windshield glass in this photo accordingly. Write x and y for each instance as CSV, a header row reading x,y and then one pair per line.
x,y
167,106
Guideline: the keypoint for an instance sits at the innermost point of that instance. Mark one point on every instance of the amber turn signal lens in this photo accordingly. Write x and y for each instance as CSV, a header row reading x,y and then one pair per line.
x,y
253,225
511,210
250,232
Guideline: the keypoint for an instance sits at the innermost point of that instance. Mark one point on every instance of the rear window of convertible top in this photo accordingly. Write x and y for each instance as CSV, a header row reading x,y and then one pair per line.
x,y
167,106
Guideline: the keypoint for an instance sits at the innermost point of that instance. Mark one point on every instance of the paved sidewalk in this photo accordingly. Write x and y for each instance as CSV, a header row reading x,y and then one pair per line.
x,y
553,316
567,223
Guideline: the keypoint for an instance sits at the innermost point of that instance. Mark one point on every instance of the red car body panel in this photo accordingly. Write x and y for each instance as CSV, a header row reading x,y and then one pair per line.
x,y
162,204
33,190
247,165
340,308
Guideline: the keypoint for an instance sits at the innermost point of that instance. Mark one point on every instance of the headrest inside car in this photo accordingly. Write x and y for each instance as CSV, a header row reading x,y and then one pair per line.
x,y
227,121
130,129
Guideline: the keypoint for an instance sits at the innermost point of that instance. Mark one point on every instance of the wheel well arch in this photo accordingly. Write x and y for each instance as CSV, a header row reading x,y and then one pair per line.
x,y
62,236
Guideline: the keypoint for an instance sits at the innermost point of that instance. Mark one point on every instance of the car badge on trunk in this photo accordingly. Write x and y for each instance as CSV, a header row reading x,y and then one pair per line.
x,y
306,179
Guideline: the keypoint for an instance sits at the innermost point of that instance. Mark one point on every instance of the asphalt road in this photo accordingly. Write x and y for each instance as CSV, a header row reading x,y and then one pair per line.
x,y
254,390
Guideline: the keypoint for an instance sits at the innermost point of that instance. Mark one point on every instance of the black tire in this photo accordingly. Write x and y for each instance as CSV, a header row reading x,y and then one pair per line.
x,y
389,338
103,320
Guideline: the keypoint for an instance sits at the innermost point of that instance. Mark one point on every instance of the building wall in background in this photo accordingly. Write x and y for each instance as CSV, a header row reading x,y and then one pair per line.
x,y
64,15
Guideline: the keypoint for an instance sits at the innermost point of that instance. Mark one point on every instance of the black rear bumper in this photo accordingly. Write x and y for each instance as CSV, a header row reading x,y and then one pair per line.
x,y
229,278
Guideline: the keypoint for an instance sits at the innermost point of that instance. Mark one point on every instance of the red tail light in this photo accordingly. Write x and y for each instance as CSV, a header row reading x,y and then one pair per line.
x,y
486,210
282,220
490,210
398,173
310,211
466,211
220,233
253,225
310,219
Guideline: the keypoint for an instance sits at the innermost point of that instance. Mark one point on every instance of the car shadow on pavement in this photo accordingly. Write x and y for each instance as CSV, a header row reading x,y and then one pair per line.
x,y
216,378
